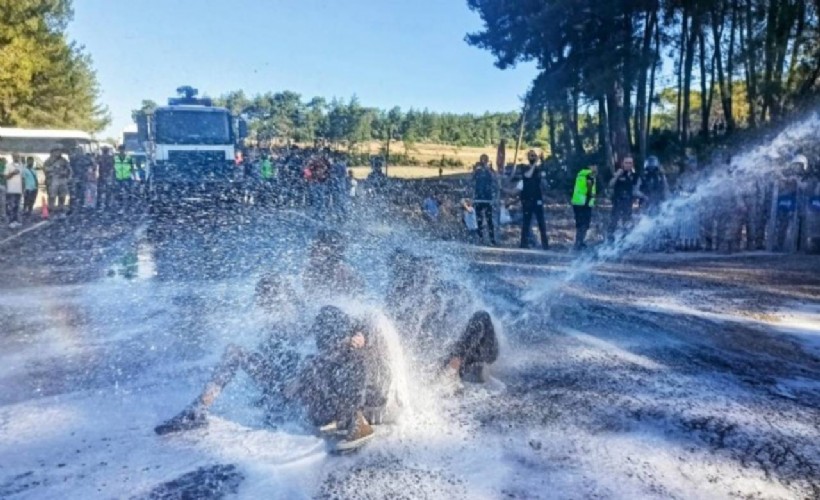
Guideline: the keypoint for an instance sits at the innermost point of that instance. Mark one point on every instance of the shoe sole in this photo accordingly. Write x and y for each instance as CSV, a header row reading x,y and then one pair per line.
x,y
162,430
349,446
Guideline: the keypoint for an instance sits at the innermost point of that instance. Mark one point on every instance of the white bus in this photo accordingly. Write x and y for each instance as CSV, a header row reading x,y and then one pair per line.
x,y
38,143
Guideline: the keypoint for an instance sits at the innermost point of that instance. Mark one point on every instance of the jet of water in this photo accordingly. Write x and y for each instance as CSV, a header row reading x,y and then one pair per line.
x,y
745,171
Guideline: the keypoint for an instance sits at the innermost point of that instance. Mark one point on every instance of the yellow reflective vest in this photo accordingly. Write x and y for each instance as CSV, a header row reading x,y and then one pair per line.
x,y
579,195
122,167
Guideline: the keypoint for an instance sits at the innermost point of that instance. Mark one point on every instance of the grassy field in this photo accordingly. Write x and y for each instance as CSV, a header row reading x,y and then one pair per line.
x,y
426,152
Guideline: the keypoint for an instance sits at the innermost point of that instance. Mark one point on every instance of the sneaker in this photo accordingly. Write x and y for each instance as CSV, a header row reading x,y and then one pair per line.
x,y
360,433
329,428
188,420
450,381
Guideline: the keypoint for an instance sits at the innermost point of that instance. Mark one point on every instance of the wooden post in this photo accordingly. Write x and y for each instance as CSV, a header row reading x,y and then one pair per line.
x,y
387,152
520,134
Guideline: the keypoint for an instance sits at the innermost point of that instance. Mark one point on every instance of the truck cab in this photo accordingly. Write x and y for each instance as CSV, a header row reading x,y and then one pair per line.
x,y
190,144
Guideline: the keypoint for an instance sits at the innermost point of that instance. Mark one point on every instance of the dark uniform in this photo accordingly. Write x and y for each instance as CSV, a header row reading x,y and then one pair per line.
x,y
532,204
622,197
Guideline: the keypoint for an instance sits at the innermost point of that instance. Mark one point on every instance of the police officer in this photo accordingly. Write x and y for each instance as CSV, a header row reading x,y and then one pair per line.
x,y
58,179
652,189
583,199
123,176
623,192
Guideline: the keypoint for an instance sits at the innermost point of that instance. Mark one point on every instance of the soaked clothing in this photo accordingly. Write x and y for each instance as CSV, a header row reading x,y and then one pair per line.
x,y
477,347
622,196
273,368
341,380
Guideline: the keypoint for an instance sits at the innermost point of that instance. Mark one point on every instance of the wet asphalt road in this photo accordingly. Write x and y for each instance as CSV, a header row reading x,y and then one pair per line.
x,y
656,376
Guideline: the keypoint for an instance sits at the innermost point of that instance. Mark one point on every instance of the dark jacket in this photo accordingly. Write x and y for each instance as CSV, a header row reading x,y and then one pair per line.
x,y
532,186
484,184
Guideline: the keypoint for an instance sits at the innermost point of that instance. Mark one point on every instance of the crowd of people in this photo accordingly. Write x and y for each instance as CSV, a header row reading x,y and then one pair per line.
x,y
77,181
335,367
766,215
71,183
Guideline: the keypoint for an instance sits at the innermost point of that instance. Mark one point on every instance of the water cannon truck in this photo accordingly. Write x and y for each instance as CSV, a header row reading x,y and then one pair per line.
x,y
190,147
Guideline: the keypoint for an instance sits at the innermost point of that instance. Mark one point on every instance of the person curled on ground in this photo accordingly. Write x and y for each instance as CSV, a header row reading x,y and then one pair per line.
x,y
345,387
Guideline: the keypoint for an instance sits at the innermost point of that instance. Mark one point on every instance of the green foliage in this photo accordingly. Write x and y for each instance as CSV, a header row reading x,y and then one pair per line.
x,y
284,117
45,80
737,64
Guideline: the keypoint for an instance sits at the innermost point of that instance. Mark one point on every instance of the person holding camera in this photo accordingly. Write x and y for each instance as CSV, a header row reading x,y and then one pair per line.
x,y
532,201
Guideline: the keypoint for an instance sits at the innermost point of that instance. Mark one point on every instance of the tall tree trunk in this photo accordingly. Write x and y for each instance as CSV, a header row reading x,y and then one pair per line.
x,y
615,101
603,132
718,21
687,75
684,31
551,124
769,56
750,51
796,46
651,99
646,61
576,133
704,105
730,67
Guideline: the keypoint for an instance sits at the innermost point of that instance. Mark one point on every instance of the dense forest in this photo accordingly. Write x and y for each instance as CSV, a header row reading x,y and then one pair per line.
x,y
285,116
45,79
635,75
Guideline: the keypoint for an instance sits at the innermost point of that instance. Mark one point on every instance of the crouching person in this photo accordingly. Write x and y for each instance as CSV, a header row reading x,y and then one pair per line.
x,y
470,357
345,388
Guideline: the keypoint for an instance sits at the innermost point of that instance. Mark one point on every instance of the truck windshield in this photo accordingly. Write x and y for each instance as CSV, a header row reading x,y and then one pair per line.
x,y
192,127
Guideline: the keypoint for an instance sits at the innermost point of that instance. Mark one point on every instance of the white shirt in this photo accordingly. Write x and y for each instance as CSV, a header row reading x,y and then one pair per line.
x,y
353,185
14,185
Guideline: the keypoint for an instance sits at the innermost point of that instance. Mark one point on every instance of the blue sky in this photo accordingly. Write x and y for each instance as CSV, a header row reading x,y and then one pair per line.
x,y
387,52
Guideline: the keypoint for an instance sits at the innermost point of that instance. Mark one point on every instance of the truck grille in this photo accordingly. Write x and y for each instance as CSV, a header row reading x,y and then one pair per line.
x,y
194,167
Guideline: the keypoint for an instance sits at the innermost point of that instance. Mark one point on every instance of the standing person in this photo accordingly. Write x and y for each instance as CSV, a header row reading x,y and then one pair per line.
x,y
105,180
623,192
3,167
652,190
123,172
58,179
485,183
583,200
652,186
353,183
339,187
30,186
90,191
532,202
317,174
267,174
14,191
80,163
